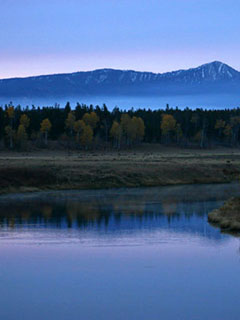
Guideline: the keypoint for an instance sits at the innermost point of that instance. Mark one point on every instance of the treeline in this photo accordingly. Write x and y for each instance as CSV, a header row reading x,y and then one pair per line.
x,y
96,127
84,127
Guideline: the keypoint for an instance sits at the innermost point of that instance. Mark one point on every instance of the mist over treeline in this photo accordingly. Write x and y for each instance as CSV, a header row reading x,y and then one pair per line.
x,y
95,127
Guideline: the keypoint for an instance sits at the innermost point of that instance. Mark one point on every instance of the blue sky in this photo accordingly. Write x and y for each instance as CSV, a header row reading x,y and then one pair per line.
x,y
52,36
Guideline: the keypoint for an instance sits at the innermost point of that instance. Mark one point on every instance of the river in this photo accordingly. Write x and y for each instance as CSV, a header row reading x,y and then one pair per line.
x,y
146,253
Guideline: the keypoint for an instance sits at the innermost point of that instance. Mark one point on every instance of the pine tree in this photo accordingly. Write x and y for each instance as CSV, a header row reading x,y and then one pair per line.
x,y
9,129
10,134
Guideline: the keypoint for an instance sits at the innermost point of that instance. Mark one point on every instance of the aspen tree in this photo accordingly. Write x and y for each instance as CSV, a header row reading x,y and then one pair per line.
x,y
45,128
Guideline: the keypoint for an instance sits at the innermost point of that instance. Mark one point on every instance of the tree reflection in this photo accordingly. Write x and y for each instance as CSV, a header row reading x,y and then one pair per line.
x,y
111,209
76,213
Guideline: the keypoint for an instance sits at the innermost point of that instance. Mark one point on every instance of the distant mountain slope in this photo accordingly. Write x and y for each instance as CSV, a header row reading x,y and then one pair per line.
x,y
215,77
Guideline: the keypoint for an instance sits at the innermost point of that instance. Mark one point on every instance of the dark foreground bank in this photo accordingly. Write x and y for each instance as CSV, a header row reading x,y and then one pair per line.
x,y
96,170
227,217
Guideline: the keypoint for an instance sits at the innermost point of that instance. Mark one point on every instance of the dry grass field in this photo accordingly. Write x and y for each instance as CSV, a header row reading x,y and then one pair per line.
x,y
149,165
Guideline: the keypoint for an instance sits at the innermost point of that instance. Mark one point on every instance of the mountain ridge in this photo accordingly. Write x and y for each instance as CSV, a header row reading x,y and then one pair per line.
x,y
213,76
216,62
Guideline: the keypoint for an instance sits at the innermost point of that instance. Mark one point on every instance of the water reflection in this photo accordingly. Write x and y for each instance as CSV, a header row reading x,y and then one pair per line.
x,y
180,209
117,254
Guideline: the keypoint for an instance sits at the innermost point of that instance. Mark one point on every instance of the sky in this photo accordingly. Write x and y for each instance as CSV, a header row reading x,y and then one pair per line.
x,y
59,36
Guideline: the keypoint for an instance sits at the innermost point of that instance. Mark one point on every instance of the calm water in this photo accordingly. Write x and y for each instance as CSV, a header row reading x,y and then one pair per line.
x,y
210,101
118,254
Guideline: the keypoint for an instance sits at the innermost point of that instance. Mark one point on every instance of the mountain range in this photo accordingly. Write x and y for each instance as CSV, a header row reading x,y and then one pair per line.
x,y
214,77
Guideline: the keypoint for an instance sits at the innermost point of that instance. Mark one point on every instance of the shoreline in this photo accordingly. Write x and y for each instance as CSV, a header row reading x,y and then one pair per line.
x,y
25,190
227,217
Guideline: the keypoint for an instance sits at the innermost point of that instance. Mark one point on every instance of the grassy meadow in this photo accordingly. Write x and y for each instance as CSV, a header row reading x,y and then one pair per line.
x,y
147,165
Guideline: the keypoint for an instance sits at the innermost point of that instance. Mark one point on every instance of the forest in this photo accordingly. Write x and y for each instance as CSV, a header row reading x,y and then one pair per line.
x,y
88,127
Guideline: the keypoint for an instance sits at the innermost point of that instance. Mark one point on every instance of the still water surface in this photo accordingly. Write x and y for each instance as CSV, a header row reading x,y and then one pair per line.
x,y
118,254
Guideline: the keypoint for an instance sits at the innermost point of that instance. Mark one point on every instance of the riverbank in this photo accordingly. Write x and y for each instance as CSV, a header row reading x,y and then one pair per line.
x,y
150,165
227,218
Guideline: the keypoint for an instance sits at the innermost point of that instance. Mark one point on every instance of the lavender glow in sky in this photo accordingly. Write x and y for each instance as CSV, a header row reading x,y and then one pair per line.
x,y
53,36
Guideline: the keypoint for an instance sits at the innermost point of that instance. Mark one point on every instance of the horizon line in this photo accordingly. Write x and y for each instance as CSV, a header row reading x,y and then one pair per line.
x,y
115,69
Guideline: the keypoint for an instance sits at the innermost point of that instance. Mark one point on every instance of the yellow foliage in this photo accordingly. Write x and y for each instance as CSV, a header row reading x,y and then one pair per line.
x,y
132,129
128,128
168,124
45,125
21,134
140,127
91,119
116,130
70,121
24,120
78,127
10,112
86,135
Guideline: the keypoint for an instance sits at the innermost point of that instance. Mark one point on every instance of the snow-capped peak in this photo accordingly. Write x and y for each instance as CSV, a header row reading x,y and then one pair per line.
x,y
216,70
